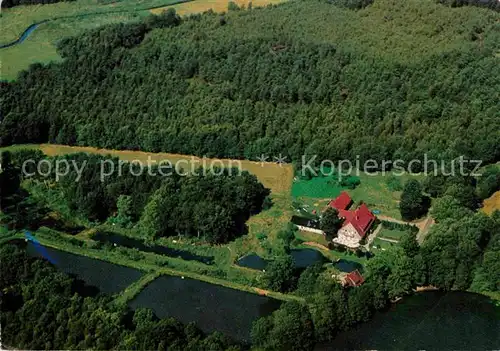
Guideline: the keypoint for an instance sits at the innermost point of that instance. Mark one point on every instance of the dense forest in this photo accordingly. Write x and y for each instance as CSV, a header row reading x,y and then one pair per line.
x,y
222,86
214,207
338,79
45,309
490,4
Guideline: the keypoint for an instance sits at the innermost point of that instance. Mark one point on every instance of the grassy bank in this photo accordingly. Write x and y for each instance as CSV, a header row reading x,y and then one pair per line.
x,y
135,288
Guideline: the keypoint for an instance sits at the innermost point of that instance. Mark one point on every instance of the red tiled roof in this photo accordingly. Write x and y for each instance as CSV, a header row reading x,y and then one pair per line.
x,y
342,201
355,278
361,219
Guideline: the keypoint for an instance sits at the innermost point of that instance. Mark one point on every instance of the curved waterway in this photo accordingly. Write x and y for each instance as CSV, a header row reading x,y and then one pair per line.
x,y
23,36
429,320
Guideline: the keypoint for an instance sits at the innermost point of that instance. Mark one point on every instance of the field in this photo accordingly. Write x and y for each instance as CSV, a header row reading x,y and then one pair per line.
x,y
381,245
215,5
276,177
373,190
15,20
72,18
40,45
492,203
391,234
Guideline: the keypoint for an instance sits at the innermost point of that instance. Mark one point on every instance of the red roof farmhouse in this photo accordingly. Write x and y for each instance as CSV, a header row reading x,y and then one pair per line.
x,y
353,279
342,202
356,224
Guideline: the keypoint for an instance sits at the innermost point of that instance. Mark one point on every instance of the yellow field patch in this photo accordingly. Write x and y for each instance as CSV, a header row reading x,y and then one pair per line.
x,y
492,203
276,177
199,6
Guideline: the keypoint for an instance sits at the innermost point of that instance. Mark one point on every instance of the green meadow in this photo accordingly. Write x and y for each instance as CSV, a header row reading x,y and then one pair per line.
x,y
381,192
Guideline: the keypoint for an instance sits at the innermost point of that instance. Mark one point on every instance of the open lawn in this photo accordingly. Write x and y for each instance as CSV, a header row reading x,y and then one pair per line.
x,y
263,229
373,190
391,234
317,187
380,245
311,237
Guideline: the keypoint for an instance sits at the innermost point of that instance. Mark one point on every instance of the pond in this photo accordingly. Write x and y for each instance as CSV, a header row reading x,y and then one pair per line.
x,y
306,257
429,320
348,266
107,277
139,244
303,258
252,261
211,307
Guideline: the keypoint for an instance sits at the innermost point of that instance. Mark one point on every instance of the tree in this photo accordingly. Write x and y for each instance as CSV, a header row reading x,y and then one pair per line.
x,y
261,329
289,328
434,185
287,235
279,274
412,204
409,244
448,207
124,211
359,304
489,182
400,280
306,285
9,176
330,222
465,195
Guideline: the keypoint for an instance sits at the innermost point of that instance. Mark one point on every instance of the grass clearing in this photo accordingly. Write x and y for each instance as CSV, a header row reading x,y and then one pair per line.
x,y
381,245
492,203
263,229
317,187
391,234
311,237
373,190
